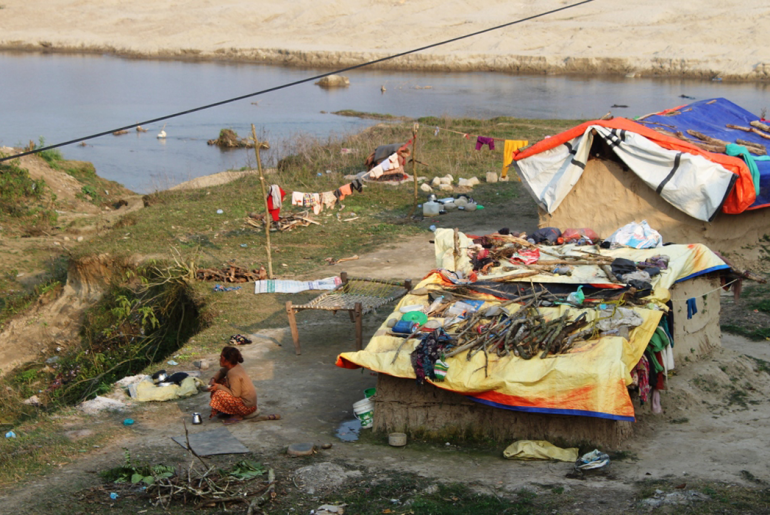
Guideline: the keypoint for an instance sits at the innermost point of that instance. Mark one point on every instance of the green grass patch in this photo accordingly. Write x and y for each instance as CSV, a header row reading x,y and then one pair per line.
x,y
752,333
43,445
369,116
16,302
26,204
410,494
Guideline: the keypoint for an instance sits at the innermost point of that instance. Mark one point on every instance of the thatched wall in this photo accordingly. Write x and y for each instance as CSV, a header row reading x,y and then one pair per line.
x,y
608,197
401,405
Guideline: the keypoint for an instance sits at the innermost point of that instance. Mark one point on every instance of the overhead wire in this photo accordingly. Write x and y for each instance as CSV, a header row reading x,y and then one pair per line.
x,y
295,83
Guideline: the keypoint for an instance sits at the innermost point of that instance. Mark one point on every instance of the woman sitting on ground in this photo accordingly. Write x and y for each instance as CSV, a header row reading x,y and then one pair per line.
x,y
232,392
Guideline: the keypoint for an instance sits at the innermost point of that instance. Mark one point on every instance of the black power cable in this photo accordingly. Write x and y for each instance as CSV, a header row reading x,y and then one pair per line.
x,y
295,83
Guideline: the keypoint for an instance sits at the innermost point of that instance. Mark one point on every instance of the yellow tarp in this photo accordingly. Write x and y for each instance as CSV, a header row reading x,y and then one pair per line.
x,y
590,380
539,450
146,391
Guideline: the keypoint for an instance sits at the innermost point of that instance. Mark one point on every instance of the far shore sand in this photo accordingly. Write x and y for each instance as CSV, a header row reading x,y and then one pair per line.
x,y
704,39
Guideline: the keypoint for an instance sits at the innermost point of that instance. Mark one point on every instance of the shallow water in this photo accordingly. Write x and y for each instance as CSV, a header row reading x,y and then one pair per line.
x,y
62,97
349,430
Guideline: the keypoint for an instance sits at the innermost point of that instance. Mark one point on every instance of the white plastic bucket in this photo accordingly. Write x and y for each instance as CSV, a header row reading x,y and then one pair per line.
x,y
430,208
364,411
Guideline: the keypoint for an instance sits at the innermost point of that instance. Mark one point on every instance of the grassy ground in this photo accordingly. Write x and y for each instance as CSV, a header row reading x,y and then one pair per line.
x,y
750,317
185,225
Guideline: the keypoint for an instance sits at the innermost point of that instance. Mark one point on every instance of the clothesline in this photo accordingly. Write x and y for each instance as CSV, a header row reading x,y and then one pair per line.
x,y
466,135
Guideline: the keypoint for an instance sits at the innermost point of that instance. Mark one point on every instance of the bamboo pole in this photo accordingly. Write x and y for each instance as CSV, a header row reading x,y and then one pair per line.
x,y
414,164
257,147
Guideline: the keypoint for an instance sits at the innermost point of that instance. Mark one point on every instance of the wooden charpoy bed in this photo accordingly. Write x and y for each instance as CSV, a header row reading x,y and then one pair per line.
x,y
356,296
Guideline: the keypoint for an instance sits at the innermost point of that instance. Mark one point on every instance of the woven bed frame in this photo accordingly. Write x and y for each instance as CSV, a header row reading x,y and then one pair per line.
x,y
356,296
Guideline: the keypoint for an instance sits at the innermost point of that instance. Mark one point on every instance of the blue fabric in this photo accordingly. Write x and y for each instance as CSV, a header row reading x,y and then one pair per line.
x,y
554,411
692,307
711,119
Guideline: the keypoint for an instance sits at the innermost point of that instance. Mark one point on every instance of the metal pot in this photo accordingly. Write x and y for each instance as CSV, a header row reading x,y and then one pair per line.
x,y
432,197
196,419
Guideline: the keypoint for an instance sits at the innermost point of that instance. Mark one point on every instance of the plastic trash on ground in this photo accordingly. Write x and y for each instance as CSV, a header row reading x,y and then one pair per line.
x,y
637,235
593,460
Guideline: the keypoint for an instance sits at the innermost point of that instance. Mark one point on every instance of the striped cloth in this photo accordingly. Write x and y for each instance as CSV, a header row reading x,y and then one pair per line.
x,y
281,286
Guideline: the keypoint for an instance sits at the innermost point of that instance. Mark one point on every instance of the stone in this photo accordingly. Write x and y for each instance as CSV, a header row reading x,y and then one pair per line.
x,y
334,81
80,238
491,177
425,188
464,183
474,181
503,179
436,182
301,449
450,177
326,446
446,187
32,401
203,364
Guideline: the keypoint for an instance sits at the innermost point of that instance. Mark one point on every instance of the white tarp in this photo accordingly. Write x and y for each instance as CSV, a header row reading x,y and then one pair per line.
x,y
691,183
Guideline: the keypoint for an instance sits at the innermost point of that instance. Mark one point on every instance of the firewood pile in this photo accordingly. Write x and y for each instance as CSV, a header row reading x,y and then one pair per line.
x,y
286,223
231,274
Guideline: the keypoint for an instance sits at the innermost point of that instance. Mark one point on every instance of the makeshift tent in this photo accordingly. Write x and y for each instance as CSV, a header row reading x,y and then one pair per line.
x,y
604,174
587,383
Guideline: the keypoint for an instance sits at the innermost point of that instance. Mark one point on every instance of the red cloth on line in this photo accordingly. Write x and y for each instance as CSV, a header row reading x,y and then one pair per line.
x,y
223,402
275,212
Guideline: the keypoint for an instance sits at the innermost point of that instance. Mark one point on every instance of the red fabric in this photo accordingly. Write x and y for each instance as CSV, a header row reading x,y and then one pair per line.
x,y
739,199
223,402
275,212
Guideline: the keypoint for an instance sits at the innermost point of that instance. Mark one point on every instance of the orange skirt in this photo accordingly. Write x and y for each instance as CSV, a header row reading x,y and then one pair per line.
x,y
223,402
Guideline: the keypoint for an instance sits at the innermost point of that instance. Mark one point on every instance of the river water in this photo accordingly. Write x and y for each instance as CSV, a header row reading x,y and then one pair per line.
x,y
62,97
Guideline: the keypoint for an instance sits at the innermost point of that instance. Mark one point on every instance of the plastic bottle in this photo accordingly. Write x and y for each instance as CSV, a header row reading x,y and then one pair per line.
x,y
431,208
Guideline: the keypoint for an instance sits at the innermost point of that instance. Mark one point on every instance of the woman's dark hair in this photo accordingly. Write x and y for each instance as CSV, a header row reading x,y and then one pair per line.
x,y
232,355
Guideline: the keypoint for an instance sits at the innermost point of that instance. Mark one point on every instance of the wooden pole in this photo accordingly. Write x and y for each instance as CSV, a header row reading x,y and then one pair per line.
x,y
414,164
257,148
293,327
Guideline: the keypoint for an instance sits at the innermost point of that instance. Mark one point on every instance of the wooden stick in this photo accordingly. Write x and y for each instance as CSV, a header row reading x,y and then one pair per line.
x,y
414,164
760,125
257,148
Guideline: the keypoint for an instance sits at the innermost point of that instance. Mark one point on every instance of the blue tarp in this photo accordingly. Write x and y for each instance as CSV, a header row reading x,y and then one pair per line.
x,y
710,117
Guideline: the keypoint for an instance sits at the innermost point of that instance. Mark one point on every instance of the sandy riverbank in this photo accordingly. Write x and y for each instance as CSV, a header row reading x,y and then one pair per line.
x,y
690,38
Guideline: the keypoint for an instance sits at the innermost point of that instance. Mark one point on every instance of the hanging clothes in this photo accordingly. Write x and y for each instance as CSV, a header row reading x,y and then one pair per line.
x,y
315,203
510,147
328,199
345,191
483,140
641,377
298,199
275,196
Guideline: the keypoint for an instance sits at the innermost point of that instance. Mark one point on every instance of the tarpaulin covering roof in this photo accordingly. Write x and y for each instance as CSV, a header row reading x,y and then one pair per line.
x,y
711,117
694,180
590,380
